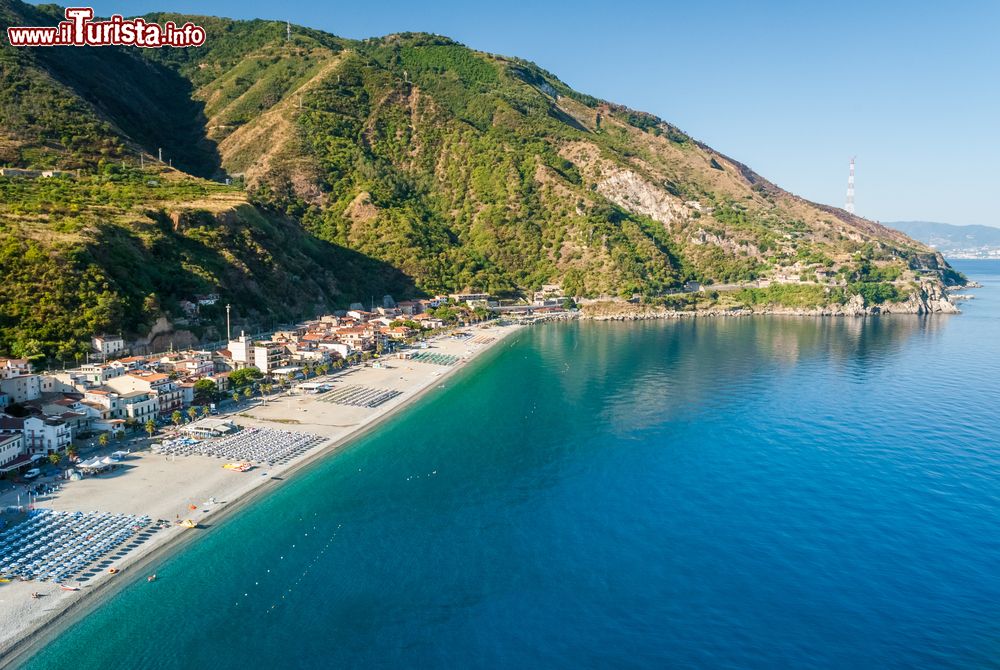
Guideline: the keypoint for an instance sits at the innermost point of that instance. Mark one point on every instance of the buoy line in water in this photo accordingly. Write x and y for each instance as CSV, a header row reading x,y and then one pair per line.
x,y
305,572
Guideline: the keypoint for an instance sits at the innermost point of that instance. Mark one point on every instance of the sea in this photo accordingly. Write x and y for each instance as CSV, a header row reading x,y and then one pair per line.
x,y
710,493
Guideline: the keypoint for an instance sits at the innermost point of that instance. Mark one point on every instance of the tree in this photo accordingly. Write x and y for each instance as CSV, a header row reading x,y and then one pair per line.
x,y
72,451
248,392
176,417
236,397
192,413
206,411
103,440
119,435
54,459
131,423
244,376
205,391
150,427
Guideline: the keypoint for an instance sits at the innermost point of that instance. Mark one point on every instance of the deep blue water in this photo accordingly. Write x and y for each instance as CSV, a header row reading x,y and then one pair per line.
x,y
753,493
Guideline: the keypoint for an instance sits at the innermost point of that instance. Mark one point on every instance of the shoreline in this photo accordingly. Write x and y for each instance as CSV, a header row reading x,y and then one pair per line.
x,y
22,645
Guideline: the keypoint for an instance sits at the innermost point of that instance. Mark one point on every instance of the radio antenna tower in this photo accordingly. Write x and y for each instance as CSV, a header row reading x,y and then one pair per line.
x,y
850,190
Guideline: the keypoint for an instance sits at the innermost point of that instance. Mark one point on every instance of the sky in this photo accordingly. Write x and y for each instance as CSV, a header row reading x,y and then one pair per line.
x,y
792,89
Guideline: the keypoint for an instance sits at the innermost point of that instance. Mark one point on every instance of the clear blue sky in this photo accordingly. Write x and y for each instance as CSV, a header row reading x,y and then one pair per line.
x,y
793,89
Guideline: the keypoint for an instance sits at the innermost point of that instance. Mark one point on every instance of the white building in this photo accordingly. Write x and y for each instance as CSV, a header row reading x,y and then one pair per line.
x,y
21,388
241,350
46,436
11,452
98,373
14,367
108,345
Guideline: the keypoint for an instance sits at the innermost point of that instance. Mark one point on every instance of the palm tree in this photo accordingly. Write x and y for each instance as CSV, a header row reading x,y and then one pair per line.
x,y
248,392
176,417
150,427
54,459
236,397
103,440
206,411
192,413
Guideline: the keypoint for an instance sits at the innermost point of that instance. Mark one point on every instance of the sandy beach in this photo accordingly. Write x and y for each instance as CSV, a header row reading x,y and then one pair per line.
x,y
166,487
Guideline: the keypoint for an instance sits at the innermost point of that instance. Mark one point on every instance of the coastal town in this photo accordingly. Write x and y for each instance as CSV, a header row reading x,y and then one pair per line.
x,y
106,464
47,417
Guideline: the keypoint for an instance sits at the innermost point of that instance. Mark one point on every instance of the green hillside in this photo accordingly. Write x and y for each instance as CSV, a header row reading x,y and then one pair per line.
x,y
404,164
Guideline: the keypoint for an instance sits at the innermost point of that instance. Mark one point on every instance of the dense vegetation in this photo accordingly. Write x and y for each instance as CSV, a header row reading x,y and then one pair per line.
x,y
405,164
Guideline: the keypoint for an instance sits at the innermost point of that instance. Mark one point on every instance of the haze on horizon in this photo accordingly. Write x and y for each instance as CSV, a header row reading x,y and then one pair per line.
x,y
791,90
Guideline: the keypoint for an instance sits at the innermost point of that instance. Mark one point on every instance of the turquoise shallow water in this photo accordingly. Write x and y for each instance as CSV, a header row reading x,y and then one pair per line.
x,y
751,493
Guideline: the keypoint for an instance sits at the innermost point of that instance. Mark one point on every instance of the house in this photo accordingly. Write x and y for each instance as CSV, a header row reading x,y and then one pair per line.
x,y
340,349
12,452
4,400
46,435
72,411
399,332
193,367
99,373
268,355
361,315
14,367
357,337
221,380
427,321
104,409
160,387
21,388
409,307
470,298
223,360
130,363
187,393
241,351
108,345
61,382
546,293
140,406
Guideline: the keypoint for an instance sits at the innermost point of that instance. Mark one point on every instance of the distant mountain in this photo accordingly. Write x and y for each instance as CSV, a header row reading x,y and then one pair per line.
x,y
955,241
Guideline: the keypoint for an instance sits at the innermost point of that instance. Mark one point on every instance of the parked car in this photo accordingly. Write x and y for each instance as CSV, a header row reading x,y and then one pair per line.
x,y
32,473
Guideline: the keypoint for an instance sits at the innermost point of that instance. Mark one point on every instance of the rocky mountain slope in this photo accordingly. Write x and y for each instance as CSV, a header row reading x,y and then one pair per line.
x,y
403,164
